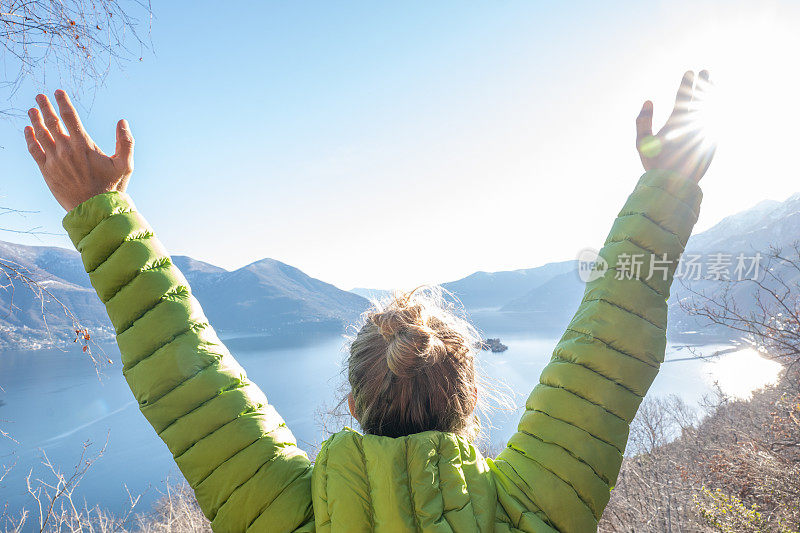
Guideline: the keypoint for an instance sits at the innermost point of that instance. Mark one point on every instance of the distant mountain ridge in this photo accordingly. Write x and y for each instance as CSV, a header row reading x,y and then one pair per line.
x,y
269,297
767,223
748,233
266,297
371,294
549,306
492,290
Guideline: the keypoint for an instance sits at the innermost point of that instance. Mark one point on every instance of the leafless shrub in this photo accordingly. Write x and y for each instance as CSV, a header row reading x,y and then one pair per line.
x,y
651,493
176,512
55,507
658,422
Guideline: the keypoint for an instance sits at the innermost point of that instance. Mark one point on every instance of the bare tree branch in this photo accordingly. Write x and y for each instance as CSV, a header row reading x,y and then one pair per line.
x,y
77,40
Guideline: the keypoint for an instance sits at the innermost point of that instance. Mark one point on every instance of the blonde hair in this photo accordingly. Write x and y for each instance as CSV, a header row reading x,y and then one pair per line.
x,y
412,367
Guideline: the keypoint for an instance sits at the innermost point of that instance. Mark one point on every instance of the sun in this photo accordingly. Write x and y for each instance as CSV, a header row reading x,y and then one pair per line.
x,y
754,80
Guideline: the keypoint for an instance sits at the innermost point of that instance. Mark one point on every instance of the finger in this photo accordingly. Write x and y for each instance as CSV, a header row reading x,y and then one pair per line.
x,y
700,87
35,149
680,116
70,116
705,161
42,133
124,151
50,117
644,122
684,96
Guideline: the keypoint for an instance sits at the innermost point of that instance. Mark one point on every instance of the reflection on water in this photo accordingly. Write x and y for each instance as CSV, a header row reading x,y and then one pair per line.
x,y
54,401
740,373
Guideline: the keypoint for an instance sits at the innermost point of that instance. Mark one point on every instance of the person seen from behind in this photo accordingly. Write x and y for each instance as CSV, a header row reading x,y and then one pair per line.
x,y
411,367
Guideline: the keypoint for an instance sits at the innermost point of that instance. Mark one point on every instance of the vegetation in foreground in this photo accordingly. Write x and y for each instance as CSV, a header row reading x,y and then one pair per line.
x,y
736,470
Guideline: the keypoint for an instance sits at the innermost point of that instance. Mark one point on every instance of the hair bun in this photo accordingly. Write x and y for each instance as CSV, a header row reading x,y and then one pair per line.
x,y
389,324
411,341
393,321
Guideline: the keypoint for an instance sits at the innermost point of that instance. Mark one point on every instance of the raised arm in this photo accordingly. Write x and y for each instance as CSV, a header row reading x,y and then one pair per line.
x,y
231,445
558,469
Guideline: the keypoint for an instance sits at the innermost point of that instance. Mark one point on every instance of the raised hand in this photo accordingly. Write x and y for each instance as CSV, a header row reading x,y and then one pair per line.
x,y
73,166
681,145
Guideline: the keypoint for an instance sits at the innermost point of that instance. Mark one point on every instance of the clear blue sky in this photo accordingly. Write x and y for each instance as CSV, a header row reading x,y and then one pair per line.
x,y
388,144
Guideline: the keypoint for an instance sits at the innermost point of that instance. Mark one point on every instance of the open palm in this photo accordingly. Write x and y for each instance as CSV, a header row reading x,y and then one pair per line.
x,y
681,145
73,166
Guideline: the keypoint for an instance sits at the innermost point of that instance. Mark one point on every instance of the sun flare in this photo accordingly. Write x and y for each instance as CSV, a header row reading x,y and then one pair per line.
x,y
751,82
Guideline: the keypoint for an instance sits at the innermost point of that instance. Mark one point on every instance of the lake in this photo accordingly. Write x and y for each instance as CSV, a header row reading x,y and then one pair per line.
x,y
53,401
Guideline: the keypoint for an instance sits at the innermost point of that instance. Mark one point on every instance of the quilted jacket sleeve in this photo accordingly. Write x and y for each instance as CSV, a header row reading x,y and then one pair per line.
x,y
231,445
558,469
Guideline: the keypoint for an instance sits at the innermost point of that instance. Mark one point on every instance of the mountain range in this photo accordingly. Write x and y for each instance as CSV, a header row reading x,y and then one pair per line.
x,y
769,224
263,298
270,298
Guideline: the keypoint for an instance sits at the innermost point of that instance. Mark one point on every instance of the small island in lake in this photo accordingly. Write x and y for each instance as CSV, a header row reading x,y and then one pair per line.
x,y
493,344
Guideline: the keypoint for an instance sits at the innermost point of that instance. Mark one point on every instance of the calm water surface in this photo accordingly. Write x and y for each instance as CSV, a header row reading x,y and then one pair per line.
x,y
52,402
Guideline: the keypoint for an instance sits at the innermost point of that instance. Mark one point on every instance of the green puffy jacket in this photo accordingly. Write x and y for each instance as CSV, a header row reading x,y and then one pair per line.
x,y
243,463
